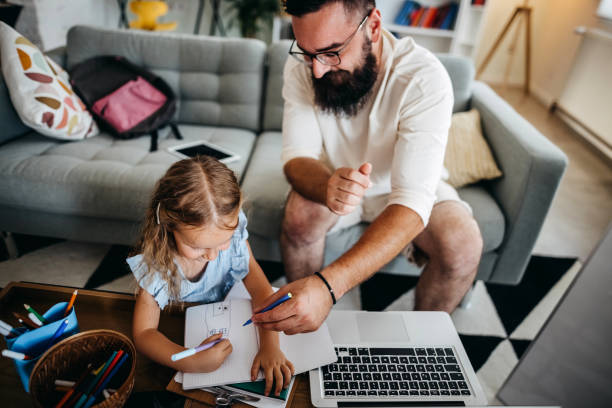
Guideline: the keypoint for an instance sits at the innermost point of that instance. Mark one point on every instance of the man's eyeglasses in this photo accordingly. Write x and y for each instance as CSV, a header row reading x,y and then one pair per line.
x,y
324,57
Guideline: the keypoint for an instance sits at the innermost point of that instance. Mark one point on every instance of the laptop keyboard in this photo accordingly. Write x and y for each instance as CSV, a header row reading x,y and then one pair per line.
x,y
394,372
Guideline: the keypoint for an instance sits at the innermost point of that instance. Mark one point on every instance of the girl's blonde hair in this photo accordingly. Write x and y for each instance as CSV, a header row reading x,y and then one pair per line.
x,y
195,192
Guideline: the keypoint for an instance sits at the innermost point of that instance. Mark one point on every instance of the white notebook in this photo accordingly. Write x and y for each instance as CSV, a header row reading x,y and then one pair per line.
x,y
306,351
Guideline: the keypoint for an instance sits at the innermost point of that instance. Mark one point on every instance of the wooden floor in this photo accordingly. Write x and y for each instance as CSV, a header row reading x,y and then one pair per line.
x,y
582,209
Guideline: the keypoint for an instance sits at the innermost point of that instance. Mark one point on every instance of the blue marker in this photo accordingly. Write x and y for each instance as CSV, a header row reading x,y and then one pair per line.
x,y
272,306
58,332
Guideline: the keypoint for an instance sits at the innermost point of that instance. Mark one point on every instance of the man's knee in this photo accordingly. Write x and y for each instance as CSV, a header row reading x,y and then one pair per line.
x,y
460,249
304,221
453,240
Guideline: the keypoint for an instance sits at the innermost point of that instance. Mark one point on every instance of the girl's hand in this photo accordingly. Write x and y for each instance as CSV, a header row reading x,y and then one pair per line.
x,y
275,366
211,359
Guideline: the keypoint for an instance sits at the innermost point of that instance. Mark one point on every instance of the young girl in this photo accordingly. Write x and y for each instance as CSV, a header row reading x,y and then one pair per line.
x,y
193,249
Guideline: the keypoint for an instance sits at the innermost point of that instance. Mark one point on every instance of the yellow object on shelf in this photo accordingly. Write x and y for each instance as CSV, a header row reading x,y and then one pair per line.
x,y
147,13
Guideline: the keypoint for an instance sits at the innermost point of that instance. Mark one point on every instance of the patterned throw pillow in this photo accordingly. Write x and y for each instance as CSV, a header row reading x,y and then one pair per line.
x,y
468,157
40,90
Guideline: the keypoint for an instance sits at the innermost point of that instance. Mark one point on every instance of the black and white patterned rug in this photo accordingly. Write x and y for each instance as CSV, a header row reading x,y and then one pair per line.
x,y
496,328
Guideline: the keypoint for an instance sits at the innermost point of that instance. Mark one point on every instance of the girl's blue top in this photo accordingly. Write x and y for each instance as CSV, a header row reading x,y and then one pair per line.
x,y
230,266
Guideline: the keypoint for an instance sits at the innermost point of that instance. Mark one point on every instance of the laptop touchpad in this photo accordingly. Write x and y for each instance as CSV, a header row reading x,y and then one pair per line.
x,y
381,327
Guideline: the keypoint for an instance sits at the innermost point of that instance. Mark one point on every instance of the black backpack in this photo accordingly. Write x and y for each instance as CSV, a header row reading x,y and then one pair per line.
x,y
97,77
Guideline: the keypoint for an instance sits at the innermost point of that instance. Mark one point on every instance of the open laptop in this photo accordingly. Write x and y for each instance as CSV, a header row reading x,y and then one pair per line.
x,y
395,359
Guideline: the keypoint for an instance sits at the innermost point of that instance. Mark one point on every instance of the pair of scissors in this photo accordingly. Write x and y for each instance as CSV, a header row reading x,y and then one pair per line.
x,y
225,397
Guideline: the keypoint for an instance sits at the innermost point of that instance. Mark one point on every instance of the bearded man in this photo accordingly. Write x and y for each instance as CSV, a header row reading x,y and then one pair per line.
x,y
365,125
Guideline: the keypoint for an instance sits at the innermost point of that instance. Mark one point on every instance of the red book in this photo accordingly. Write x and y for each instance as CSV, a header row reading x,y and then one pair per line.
x,y
429,17
418,17
413,16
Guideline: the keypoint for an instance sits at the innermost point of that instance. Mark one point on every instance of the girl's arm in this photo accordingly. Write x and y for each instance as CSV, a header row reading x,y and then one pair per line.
x,y
153,344
270,357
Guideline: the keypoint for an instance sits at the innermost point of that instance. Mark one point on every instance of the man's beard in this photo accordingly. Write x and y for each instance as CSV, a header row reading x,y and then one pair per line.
x,y
344,93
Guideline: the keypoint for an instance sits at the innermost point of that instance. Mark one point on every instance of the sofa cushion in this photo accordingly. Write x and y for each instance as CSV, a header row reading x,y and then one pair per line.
x,y
265,189
217,81
468,157
99,177
12,126
273,108
40,90
487,213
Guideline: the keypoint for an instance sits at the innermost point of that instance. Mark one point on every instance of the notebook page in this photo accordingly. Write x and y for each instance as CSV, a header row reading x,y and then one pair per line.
x,y
224,317
306,351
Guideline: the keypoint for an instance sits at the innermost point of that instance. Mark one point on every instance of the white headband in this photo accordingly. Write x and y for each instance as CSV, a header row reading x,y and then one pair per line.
x,y
157,213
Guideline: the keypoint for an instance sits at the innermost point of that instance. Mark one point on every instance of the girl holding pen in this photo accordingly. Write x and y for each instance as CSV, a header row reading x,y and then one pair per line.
x,y
194,248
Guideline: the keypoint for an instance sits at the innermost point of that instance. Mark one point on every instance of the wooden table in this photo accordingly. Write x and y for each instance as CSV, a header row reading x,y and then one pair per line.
x,y
98,309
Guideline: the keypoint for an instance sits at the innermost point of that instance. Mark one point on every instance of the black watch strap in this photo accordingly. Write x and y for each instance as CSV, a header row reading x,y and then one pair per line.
x,y
331,291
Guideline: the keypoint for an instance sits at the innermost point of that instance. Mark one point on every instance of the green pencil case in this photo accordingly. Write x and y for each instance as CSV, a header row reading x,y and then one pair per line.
x,y
259,387
36,341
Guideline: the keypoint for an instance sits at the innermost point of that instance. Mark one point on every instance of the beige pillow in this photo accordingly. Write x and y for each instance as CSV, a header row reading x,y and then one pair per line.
x,y
40,90
468,158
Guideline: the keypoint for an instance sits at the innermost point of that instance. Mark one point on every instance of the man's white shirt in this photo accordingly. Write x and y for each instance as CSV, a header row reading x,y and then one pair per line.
x,y
402,130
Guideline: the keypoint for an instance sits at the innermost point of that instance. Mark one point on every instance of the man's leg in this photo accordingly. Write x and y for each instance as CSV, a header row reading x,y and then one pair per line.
x,y
302,239
453,244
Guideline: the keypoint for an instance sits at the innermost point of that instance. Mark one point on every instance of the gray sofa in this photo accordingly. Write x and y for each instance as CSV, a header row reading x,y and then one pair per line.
x,y
229,92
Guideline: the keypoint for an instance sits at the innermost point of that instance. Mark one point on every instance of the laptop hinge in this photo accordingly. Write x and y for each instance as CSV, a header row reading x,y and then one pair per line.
x,y
357,404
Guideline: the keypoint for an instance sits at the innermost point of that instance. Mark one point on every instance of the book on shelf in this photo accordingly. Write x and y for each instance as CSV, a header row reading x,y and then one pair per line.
x,y
449,19
414,14
418,16
405,12
428,17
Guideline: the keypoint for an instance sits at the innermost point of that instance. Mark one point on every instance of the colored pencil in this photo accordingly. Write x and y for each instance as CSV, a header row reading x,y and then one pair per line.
x,y
71,303
90,387
107,372
15,355
102,386
74,385
68,384
25,321
77,390
35,313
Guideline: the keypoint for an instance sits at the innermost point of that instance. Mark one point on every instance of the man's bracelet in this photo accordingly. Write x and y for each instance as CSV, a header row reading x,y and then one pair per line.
x,y
331,291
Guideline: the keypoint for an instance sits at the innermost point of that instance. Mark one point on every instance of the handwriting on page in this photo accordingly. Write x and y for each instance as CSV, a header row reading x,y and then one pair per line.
x,y
217,319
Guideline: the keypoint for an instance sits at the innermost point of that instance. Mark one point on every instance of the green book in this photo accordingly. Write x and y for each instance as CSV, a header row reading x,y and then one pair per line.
x,y
258,387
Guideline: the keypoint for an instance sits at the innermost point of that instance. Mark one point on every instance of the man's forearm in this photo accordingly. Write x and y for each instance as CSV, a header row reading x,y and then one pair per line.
x,y
388,234
308,177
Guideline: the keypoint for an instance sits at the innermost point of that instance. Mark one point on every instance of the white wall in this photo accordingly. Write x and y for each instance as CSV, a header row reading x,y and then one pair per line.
x,y
46,22
554,44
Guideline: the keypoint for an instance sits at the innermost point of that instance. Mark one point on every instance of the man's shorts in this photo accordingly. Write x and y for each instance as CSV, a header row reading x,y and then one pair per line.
x,y
372,207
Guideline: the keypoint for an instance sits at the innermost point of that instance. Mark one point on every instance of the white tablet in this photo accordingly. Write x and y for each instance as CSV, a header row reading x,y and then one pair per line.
x,y
203,148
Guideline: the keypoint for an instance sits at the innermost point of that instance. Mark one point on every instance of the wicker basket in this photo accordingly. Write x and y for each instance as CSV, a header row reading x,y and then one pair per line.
x,y
69,358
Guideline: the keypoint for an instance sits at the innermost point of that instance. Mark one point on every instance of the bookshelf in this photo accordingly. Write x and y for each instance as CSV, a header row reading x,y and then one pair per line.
x,y
460,39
